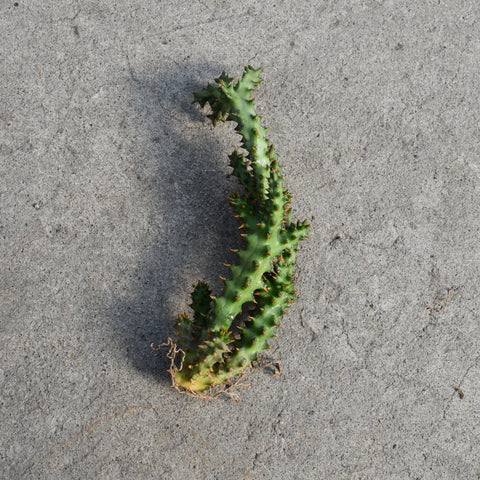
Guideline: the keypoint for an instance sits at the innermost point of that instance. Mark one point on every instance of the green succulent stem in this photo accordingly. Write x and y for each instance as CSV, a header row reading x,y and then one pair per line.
x,y
211,354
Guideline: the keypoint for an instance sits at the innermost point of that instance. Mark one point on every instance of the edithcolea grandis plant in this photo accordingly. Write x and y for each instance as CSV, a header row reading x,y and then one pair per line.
x,y
213,349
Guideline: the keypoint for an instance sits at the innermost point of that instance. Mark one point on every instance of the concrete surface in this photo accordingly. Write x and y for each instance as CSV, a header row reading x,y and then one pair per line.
x,y
113,201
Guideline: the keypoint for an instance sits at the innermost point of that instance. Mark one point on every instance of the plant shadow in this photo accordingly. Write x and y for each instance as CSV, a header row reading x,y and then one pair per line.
x,y
192,228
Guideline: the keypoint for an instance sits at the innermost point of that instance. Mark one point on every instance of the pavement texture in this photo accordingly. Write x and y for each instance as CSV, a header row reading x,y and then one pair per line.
x,y
113,202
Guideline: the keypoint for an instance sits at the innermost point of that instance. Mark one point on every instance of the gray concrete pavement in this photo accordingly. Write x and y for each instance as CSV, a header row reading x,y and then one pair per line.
x,y
113,201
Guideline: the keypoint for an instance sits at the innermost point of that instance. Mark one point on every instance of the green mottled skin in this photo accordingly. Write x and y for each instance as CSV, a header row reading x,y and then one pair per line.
x,y
264,272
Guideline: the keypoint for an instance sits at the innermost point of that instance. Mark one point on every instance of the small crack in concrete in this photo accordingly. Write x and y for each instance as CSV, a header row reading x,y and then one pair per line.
x,y
457,390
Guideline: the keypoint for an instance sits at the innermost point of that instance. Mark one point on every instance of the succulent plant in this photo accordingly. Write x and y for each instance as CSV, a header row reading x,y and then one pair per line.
x,y
213,349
